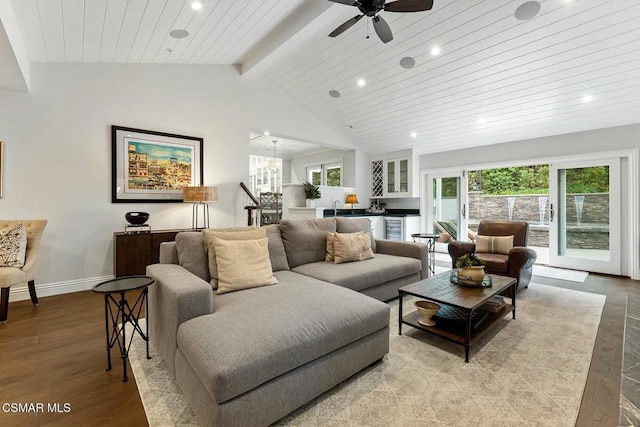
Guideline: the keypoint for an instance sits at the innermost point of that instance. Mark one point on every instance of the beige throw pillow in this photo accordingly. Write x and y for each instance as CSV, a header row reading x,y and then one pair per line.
x,y
243,264
13,246
330,238
247,233
349,247
494,244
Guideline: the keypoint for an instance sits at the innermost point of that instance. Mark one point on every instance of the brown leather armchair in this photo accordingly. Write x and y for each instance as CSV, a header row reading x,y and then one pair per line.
x,y
517,264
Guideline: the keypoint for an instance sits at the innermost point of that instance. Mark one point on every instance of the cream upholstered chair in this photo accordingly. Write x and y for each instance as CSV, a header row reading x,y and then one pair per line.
x,y
12,276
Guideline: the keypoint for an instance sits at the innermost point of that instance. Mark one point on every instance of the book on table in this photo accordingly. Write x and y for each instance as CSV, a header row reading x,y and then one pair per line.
x,y
454,318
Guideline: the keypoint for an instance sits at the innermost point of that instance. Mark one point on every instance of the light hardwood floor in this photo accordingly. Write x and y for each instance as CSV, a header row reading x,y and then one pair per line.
x,y
55,353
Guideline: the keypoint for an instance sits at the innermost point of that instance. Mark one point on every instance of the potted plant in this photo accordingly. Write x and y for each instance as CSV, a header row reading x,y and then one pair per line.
x,y
470,267
311,193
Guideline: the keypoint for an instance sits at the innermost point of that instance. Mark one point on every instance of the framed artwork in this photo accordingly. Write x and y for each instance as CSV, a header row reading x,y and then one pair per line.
x,y
152,167
1,162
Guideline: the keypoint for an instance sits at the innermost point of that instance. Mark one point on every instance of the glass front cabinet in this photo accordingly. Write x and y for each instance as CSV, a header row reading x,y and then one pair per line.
x,y
395,176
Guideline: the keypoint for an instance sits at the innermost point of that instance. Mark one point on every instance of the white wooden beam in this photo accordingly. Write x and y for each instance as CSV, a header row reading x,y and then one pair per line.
x,y
309,17
16,67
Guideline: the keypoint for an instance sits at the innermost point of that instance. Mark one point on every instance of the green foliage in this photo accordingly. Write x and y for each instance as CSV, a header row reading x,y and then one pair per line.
x,y
469,260
535,180
311,191
512,180
333,177
449,187
588,180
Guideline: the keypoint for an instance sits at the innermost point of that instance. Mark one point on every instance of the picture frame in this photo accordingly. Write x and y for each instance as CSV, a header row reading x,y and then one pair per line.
x,y
152,167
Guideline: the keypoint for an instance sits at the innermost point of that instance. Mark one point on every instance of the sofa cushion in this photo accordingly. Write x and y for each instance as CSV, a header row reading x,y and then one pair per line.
x,y
362,275
277,254
242,264
191,253
245,233
228,350
352,225
349,247
305,240
494,244
494,263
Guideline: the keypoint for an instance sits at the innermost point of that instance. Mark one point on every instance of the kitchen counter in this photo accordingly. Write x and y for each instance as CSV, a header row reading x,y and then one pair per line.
x,y
327,213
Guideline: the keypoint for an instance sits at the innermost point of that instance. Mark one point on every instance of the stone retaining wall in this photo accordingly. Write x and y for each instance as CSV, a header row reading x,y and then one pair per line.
x,y
591,233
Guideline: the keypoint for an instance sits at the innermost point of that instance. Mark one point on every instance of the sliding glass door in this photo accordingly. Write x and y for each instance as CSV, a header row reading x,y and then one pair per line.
x,y
584,213
447,203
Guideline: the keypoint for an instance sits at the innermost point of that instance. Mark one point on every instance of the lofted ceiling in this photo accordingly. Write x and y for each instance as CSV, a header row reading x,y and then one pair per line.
x,y
286,148
496,78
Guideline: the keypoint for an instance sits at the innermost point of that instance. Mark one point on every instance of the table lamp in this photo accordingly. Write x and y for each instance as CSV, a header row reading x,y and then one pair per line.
x,y
199,196
352,199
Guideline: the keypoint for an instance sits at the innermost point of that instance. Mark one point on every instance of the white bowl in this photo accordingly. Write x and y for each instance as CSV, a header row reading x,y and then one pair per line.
x,y
427,309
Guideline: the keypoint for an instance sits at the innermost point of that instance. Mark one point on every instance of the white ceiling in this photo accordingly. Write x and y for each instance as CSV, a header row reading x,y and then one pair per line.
x,y
526,79
286,148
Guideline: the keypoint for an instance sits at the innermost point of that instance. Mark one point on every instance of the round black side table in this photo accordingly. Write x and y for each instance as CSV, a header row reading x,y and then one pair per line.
x,y
121,313
431,239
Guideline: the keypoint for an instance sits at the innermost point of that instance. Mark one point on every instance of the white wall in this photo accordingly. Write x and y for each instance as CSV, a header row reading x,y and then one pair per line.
x,y
553,146
58,150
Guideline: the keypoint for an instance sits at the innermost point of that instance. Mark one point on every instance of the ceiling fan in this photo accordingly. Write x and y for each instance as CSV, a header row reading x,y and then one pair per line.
x,y
371,8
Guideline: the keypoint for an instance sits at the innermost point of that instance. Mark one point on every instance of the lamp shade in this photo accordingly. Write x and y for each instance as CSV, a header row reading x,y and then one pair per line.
x,y
352,198
200,194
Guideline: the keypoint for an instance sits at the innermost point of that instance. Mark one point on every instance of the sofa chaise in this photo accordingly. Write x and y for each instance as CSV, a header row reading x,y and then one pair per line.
x,y
251,356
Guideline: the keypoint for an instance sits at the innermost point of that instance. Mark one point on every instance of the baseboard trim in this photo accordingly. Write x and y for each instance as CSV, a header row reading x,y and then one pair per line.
x,y
19,293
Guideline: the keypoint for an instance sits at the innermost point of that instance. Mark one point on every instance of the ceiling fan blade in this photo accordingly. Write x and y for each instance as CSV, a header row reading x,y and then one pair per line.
x,y
347,2
344,27
382,29
409,6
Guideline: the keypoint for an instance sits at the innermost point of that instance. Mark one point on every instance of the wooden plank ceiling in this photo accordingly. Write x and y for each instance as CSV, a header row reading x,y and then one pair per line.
x,y
496,79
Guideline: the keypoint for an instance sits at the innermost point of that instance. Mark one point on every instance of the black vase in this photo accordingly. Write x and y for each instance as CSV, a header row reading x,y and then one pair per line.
x,y
136,218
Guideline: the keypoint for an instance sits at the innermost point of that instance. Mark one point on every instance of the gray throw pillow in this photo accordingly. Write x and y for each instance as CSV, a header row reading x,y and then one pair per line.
x,y
191,253
305,240
277,254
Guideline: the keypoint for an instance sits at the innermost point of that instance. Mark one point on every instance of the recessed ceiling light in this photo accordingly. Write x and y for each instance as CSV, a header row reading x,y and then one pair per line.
x,y
334,93
527,10
361,82
587,98
196,5
179,34
267,133
482,120
414,135
435,50
407,62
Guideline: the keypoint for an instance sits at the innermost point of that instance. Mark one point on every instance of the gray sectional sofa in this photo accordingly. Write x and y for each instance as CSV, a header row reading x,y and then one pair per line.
x,y
248,358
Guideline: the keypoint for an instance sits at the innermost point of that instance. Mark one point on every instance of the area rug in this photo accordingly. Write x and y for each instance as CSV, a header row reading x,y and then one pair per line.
x,y
560,273
527,372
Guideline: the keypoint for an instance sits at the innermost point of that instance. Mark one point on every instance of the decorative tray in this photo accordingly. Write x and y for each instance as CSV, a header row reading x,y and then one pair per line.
x,y
465,281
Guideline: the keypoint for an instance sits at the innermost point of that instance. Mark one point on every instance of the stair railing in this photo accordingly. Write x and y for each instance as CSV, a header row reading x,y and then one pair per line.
x,y
250,208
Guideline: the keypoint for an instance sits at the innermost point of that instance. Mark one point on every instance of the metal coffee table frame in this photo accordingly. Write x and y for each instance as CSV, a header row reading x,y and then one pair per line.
x,y
439,289
117,313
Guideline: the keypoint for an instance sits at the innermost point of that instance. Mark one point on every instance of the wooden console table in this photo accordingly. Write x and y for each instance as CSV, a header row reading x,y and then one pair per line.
x,y
133,252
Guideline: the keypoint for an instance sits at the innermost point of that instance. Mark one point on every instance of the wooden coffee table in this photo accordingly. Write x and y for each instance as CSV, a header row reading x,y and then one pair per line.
x,y
466,300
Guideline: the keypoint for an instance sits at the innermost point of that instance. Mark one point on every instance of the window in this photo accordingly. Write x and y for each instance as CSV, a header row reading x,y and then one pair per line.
x,y
329,174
